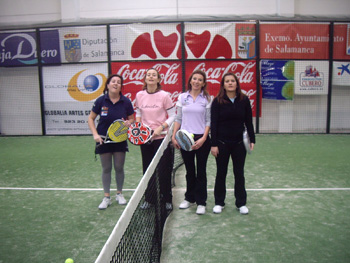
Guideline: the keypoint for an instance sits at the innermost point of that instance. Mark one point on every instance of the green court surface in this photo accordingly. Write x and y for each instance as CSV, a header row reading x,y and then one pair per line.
x,y
298,195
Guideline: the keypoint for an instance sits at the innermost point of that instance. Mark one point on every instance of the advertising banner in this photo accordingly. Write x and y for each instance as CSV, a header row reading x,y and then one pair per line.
x,y
341,42
220,40
20,48
146,41
294,40
277,79
133,74
311,77
84,44
69,92
245,71
341,73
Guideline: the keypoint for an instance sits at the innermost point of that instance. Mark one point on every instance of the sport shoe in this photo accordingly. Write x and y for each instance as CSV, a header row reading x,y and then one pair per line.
x,y
120,199
200,210
243,210
218,209
145,205
105,203
185,204
168,206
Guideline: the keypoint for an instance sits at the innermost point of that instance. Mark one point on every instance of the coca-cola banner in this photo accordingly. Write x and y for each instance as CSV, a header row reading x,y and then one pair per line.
x,y
294,40
341,44
244,69
219,40
146,41
311,77
133,74
69,92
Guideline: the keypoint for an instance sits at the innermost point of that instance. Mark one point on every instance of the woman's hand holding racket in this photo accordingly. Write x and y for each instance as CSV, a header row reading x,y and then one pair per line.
x,y
139,133
127,123
175,144
184,140
246,141
157,131
117,132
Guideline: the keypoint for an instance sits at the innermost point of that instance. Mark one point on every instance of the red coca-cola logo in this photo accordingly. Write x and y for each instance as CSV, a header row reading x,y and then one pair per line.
x,y
204,44
133,74
245,71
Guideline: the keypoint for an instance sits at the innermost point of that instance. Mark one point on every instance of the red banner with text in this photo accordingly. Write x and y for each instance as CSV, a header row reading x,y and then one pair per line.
x,y
294,40
244,69
133,74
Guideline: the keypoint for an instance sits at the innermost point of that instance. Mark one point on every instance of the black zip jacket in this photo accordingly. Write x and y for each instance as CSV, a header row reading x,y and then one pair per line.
x,y
228,120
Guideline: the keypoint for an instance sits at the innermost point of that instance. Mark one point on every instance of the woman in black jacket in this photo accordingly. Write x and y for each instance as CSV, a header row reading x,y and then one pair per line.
x,y
231,112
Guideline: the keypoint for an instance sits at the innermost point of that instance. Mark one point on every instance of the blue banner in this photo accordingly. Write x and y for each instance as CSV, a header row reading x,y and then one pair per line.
x,y
277,79
20,48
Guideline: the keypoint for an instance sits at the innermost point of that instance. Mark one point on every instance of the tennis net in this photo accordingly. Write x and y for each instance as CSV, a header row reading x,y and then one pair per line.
x,y
137,236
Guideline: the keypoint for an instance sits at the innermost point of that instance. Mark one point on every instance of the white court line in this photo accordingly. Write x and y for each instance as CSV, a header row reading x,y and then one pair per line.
x,y
175,189
57,189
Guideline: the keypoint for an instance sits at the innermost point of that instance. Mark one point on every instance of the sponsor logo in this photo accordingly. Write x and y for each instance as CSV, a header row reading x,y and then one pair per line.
x,y
21,48
343,69
72,47
91,87
243,70
311,78
246,42
207,44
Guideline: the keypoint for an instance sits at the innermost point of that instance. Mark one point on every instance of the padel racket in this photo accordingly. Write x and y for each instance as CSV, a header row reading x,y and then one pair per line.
x,y
184,139
246,141
117,132
140,133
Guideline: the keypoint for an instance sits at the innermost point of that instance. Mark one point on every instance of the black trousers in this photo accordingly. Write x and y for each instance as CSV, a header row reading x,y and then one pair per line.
x,y
196,173
238,154
148,151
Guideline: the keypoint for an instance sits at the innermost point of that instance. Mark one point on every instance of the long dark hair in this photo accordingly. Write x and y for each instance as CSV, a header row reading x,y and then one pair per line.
x,y
159,87
109,80
204,88
222,91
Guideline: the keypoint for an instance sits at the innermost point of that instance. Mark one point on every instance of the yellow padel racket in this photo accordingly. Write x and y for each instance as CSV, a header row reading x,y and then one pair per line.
x,y
117,132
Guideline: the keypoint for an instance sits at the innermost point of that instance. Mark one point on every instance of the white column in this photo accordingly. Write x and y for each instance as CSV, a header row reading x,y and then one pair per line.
x,y
70,10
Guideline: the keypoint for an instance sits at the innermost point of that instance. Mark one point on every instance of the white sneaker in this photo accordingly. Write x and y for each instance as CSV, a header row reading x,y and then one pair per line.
x,y
105,203
218,209
185,204
243,210
200,210
120,199
145,205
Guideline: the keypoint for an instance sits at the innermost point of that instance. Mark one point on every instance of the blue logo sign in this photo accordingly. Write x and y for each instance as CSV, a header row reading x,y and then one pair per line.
x,y
21,48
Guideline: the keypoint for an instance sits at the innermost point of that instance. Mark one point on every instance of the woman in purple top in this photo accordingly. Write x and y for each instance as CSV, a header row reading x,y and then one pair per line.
x,y
193,115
